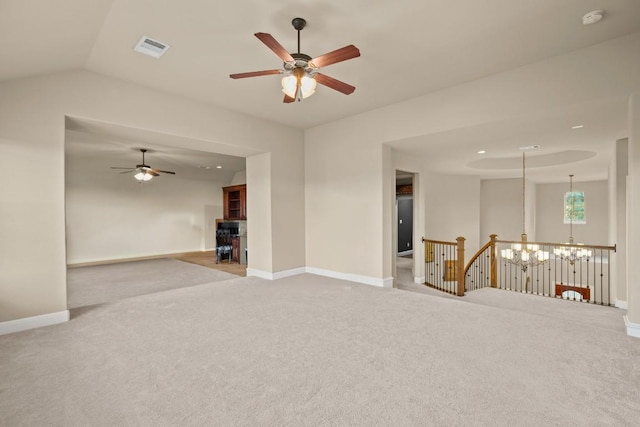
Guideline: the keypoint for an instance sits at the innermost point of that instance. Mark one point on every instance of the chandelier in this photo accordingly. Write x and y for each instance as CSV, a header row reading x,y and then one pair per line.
x,y
524,254
571,252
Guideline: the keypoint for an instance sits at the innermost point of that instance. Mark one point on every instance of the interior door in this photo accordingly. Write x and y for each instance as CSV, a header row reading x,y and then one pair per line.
x,y
405,224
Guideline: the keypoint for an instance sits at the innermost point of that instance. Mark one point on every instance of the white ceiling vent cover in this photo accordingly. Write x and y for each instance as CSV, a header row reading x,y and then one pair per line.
x,y
151,47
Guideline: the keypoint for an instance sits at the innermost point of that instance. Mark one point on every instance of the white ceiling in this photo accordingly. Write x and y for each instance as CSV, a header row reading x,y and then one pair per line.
x,y
408,47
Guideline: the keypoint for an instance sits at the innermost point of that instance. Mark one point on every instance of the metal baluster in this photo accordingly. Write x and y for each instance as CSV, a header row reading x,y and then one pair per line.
x,y
608,277
601,279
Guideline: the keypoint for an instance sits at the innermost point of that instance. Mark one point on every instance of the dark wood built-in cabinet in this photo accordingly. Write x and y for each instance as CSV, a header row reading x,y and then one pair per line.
x,y
235,202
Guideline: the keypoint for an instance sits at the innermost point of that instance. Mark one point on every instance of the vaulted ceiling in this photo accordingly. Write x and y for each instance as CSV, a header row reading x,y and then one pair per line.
x,y
408,48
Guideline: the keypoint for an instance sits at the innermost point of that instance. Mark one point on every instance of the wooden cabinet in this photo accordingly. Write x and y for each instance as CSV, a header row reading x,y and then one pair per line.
x,y
235,202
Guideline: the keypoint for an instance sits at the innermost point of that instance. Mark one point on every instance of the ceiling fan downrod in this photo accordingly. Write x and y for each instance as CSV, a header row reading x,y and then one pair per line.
x,y
298,24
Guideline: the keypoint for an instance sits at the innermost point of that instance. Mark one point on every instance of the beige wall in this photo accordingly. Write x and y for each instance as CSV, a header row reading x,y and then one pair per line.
x,y
345,169
618,197
633,213
110,216
453,209
259,201
549,213
287,210
340,191
239,178
501,209
32,131
344,206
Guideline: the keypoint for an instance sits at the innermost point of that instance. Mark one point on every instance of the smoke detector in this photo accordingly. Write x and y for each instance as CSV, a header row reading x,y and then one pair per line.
x,y
151,47
592,17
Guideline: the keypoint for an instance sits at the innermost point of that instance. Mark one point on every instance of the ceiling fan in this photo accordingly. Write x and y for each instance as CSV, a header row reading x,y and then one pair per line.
x,y
144,171
300,70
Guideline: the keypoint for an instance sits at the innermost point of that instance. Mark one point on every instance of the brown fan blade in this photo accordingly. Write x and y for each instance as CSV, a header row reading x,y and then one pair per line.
x,y
274,46
288,99
339,55
323,79
125,171
254,74
156,172
115,167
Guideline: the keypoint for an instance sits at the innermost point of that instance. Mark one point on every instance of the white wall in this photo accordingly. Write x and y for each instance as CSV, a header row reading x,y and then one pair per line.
x,y
549,213
110,216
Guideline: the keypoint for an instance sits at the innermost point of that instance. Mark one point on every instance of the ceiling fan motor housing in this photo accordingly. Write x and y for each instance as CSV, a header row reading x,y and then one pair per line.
x,y
300,60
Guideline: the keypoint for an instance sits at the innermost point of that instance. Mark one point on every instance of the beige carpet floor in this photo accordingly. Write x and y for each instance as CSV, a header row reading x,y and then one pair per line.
x,y
112,282
404,279
309,350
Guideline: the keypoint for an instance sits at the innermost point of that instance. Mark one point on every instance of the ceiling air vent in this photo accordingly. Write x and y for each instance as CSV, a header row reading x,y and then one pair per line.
x,y
151,47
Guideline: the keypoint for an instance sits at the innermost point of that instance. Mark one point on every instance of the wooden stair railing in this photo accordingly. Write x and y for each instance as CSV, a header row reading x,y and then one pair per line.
x,y
493,263
442,276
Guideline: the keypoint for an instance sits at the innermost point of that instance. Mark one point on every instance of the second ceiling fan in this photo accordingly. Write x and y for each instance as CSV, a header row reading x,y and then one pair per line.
x,y
301,70
143,171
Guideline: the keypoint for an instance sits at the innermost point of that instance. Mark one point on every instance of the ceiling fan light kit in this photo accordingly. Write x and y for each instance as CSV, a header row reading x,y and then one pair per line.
x,y
300,70
143,176
592,17
307,84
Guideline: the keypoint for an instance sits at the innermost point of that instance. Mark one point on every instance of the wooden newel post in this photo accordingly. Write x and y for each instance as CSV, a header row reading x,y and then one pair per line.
x,y
460,266
493,275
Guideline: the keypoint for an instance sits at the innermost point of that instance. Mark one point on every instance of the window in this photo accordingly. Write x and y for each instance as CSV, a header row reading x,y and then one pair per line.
x,y
574,211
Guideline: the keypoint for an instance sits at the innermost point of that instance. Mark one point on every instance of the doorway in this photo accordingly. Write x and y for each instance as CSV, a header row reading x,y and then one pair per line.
x,y
403,227
404,205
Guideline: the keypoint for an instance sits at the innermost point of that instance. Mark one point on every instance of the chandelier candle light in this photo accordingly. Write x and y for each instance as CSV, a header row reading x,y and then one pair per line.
x,y
524,254
572,253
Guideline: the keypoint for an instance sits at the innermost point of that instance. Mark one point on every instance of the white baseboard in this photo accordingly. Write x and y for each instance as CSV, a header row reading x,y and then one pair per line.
x,y
633,329
277,275
132,259
621,304
383,283
373,281
419,280
25,323
252,272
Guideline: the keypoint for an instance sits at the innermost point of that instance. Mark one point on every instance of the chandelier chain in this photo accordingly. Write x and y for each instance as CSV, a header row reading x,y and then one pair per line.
x,y
524,231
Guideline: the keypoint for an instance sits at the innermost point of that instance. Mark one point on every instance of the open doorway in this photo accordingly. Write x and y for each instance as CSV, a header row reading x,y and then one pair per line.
x,y
403,228
147,228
